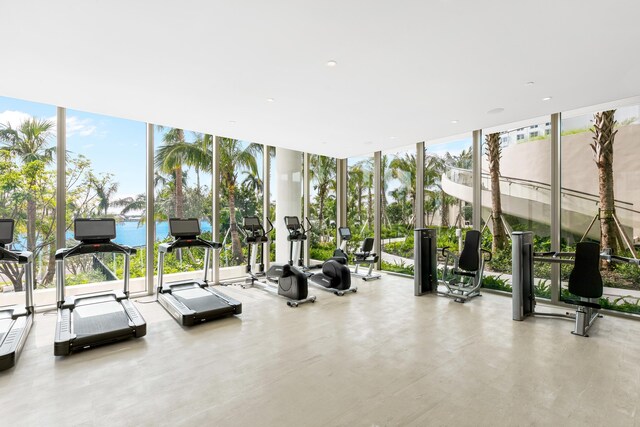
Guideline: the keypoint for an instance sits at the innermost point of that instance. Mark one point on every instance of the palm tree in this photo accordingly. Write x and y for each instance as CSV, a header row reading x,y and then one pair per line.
x,y
30,143
494,153
403,168
169,159
386,177
104,190
603,138
234,158
323,173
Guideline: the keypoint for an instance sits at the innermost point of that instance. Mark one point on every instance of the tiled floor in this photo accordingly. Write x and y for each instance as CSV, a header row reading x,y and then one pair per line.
x,y
379,357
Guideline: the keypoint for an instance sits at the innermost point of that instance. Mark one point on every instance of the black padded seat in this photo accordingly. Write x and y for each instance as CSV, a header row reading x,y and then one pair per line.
x,y
585,280
470,257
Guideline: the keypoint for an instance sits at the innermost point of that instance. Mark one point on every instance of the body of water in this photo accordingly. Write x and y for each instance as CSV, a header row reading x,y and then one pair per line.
x,y
131,234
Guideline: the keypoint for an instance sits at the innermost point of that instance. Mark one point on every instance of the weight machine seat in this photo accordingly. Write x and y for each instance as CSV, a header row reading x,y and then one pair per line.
x,y
585,280
364,255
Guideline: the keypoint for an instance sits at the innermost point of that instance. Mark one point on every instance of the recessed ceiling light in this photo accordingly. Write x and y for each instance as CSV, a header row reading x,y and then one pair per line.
x,y
529,83
323,142
271,100
455,122
233,122
331,63
547,98
496,110
392,137
368,143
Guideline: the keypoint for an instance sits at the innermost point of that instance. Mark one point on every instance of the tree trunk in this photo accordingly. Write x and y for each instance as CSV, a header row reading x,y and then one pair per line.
x,y
179,194
321,213
445,209
14,273
494,152
603,138
370,206
51,267
236,245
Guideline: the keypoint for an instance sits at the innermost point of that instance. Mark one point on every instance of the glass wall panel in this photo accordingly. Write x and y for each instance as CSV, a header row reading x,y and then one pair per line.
x,y
516,196
182,177
105,172
360,199
241,174
398,172
601,196
28,191
322,209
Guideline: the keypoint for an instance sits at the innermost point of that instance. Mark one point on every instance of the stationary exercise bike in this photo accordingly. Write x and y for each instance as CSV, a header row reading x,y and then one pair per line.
x,y
290,282
364,256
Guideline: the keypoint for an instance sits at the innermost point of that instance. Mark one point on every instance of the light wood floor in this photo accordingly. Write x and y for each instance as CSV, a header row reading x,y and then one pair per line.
x,y
376,358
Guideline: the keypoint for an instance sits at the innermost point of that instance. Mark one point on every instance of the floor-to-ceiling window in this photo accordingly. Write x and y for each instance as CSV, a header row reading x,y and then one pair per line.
x,y
360,199
516,196
241,189
322,209
28,191
398,196
182,181
105,175
601,195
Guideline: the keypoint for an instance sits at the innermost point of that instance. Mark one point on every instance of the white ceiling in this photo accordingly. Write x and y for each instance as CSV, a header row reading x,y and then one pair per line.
x,y
405,69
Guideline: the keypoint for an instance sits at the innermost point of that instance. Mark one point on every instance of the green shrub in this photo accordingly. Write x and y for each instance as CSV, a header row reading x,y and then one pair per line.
x,y
398,268
496,282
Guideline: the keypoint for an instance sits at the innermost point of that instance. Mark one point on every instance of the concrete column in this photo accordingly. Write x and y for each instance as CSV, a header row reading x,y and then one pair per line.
x,y
61,180
377,203
556,197
215,207
288,182
149,212
305,209
477,180
418,209
266,197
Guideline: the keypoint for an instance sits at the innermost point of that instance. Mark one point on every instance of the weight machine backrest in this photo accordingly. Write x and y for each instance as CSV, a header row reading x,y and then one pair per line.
x,y
470,257
585,279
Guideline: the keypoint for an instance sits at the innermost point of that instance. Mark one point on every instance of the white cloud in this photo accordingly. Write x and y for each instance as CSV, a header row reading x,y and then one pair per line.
x,y
81,127
14,118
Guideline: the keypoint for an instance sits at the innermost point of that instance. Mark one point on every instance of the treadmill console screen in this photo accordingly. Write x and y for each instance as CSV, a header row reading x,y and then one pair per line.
x,y
292,222
184,227
345,233
85,229
6,231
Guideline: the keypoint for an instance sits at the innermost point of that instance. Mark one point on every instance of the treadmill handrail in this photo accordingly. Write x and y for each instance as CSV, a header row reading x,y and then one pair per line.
x,y
19,257
93,248
188,242
24,258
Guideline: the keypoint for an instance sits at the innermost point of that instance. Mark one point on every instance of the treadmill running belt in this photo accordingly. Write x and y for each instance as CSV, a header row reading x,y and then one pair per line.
x,y
202,301
5,325
99,318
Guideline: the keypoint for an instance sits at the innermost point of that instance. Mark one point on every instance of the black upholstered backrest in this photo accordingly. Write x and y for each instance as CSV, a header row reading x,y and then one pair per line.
x,y
367,245
585,280
470,256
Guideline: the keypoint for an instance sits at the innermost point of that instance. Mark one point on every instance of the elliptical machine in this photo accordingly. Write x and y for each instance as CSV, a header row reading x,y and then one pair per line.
x,y
335,276
291,283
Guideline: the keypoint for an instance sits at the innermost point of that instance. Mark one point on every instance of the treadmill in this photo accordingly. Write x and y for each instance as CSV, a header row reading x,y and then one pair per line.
x,y
15,322
90,320
191,301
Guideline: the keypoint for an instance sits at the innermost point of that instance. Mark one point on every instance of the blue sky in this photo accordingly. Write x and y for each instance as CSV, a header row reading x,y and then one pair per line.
x,y
117,146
